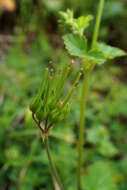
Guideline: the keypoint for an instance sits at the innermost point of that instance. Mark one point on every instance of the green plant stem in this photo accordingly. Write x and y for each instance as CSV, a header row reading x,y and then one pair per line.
x,y
56,180
22,175
98,21
82,125
84,96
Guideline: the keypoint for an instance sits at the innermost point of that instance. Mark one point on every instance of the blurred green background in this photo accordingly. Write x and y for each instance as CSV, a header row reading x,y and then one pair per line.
x,y
30,39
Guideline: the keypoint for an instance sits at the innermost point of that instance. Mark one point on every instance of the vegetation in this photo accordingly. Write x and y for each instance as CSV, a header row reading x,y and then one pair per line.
x,y
101,155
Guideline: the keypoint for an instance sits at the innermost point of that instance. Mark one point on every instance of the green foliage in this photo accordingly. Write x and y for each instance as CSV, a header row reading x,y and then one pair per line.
x,y
75,44
100,138
47,105
110,52
99,177
28,16
20,71
82,23
95,56
75,25
66,17
107,103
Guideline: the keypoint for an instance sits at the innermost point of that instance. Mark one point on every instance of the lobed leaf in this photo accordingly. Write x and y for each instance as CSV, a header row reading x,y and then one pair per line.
x,y
66,17
75,44
99,177
75,25
83,23
96,56
110,52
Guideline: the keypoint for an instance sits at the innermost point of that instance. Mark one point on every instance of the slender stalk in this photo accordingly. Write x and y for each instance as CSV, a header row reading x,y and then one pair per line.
x,y
98,22
82,125
22,175
56,180
84,95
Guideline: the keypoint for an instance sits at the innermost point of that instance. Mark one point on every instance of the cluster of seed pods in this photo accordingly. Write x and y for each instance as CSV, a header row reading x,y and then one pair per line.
x,y
48,107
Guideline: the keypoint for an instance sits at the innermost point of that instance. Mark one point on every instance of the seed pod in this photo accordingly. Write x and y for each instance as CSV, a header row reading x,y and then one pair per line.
x,y
62,81
72,90
55,82
50,105
54,114
34,104
60,117
41,116
63,112
47,92
66,110
43,81
39,112
36,101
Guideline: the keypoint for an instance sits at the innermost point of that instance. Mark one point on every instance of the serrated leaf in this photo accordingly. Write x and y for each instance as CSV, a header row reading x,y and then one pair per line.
x,y
75,44
110,52
96,56
75,25
99,177
65,17
83,22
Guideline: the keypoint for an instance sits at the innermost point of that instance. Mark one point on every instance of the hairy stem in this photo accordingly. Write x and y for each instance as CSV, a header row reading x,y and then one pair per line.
x,y
56,180
82,125
98,21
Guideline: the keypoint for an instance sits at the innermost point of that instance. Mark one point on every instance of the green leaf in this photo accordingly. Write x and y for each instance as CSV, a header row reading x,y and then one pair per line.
x,y
99,177
83,22
96,56
75,25
66,17
100,138
106,148
96,135
75,44
110,52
